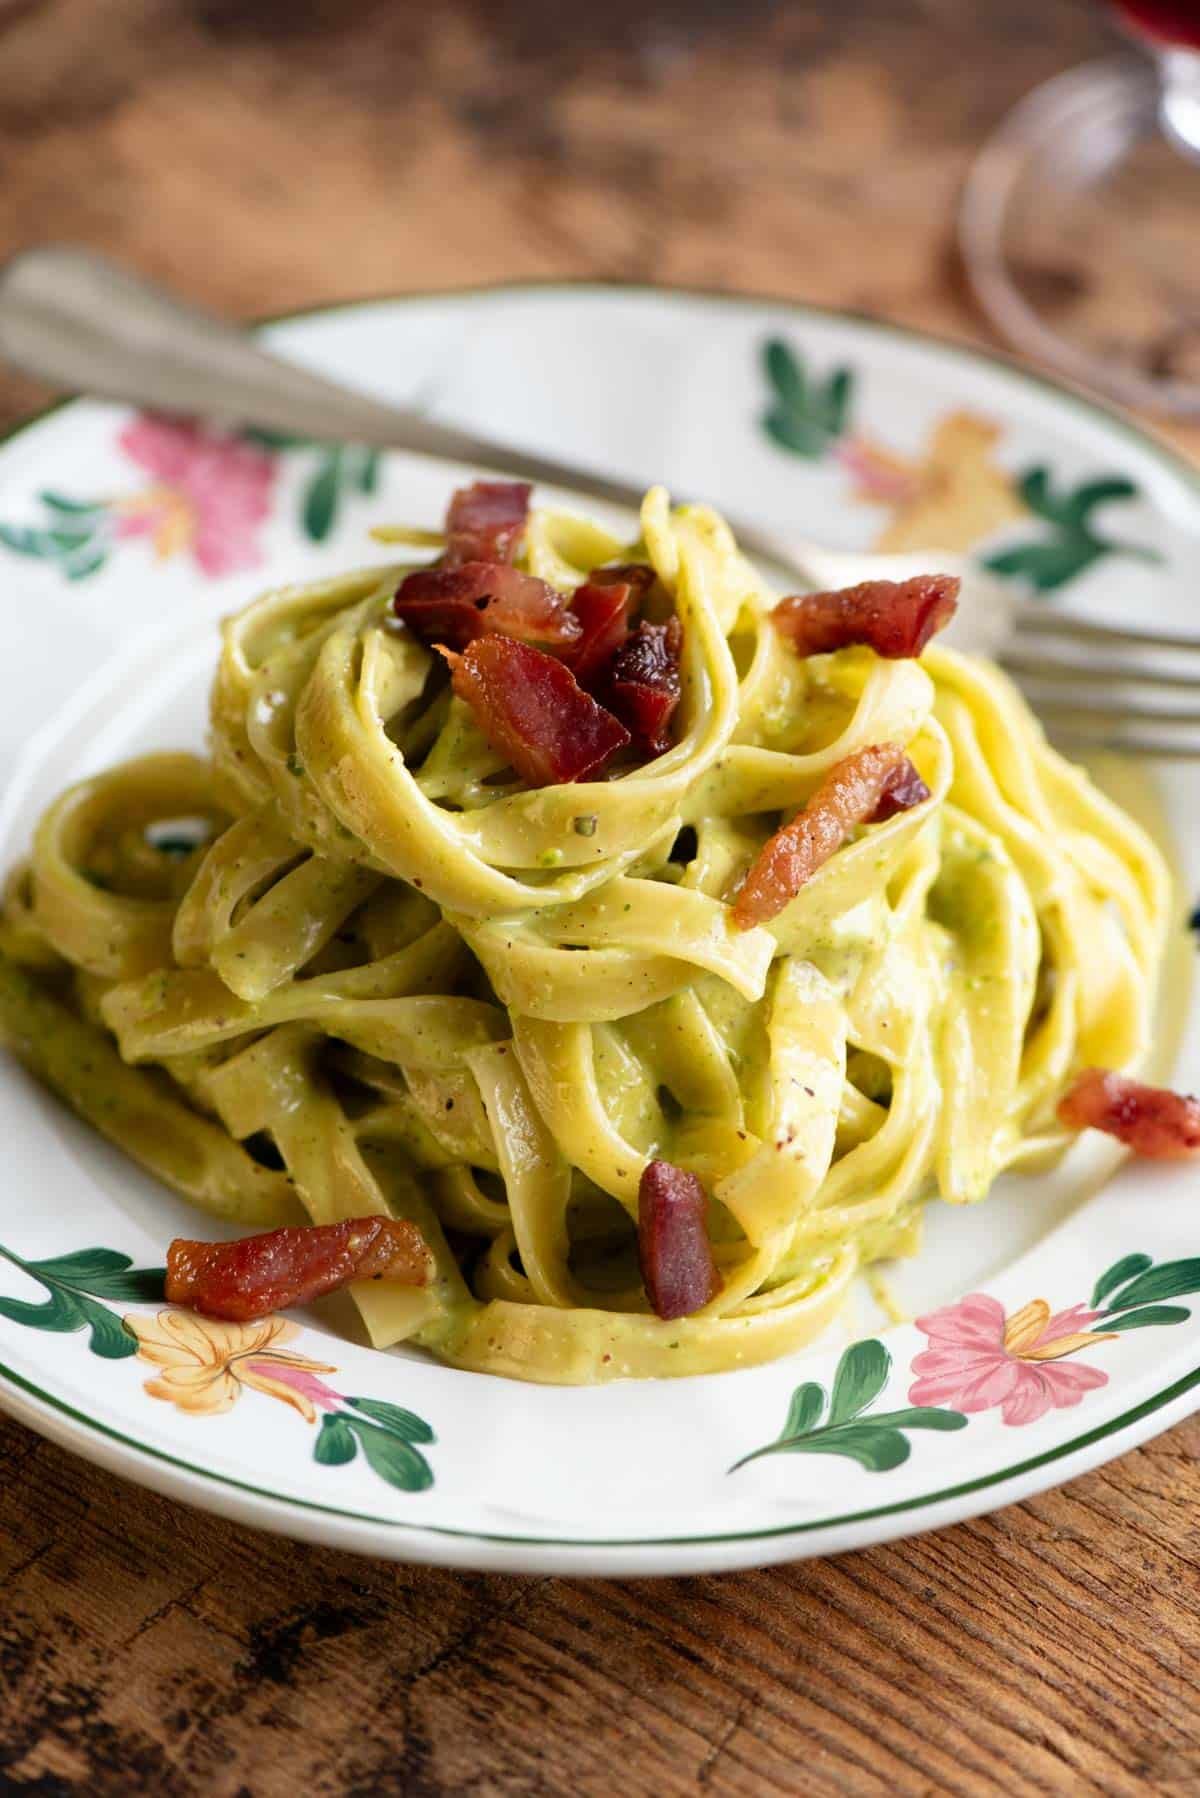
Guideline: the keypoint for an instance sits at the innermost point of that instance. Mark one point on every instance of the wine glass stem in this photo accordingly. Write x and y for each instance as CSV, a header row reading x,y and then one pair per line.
x,y
1179,105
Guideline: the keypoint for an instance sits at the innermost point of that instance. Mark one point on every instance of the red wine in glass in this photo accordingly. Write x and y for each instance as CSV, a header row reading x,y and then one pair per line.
x,y
1169,24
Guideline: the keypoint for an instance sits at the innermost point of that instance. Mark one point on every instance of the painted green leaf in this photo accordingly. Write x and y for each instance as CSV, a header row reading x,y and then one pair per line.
x,y
68,1280
877,1442
104,1273
335,1444
79,567
60,1312
786,375
25,541
1117,1274
804,1412
368,472
82,1265
1067,507
322,495
394,1460
1152,1314
922,1417
796,433
70,538
1074,545
72,508
395,1418
1071,508
1034,488
805,416
861,1376
109,1337
142,1285
837,400
874,1446
1047,566
274,440
1167,1281
1007,561
1078,505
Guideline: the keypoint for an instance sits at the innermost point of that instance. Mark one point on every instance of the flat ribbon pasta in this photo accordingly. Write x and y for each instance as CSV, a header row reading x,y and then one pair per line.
x,y
350,964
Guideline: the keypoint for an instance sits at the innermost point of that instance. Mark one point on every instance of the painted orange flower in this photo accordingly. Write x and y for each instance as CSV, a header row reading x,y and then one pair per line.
x,y
951,497
205,1364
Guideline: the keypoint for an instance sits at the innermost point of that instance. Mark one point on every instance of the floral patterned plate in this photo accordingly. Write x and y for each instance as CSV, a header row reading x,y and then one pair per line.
x,y
1050,1329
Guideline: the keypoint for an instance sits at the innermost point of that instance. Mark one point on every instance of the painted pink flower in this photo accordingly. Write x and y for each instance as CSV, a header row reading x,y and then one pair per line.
x,y
978,1359
211,492
299,1378
879,477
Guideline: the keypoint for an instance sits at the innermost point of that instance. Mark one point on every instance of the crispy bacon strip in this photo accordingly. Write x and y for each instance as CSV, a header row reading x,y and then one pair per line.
x,y
456,605
851,794
1151,1120
603,606
678,1270
603,616
643,683
485,522
533,711
894,618
270,1272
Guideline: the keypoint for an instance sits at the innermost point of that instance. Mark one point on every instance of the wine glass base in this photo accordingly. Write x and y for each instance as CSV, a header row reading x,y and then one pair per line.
x,y
1079,231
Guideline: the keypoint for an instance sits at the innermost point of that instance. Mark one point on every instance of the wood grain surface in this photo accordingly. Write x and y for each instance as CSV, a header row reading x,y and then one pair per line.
x,y
266,156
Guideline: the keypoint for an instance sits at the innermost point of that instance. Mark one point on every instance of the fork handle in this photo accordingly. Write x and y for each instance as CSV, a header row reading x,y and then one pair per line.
x,y
73,319
77,321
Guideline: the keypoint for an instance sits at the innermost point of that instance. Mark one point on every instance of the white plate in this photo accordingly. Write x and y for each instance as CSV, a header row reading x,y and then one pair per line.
x,y
112,528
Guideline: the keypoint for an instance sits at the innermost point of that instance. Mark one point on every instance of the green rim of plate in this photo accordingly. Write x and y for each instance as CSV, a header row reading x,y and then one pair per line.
x,y
1187,1383
968,354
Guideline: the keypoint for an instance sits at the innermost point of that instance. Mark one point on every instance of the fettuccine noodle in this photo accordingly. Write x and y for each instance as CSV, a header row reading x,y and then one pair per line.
x,y
348,964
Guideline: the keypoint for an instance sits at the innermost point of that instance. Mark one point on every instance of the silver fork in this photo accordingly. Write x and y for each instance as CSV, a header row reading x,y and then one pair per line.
x,y
79,322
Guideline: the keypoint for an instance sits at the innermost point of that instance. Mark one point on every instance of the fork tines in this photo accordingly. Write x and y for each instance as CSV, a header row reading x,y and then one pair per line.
x,y
1112,686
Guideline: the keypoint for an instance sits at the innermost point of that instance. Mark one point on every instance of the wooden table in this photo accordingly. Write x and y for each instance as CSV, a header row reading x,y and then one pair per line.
x,y
275,155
